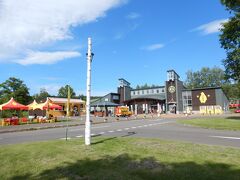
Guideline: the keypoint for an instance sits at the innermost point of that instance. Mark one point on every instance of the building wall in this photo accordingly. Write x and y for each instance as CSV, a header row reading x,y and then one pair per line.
x,y
179,89
158,93
171,96
125,93
222,100
203,97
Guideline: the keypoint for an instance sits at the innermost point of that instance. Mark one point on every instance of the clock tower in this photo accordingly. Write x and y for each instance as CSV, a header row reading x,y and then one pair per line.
x,y
174,89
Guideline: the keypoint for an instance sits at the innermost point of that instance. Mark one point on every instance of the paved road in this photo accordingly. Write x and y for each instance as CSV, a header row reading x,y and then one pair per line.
x,y
159,128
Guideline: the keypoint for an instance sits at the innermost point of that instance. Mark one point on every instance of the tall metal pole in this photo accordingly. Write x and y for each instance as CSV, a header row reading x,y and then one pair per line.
x,y
68,101
68,109
87,123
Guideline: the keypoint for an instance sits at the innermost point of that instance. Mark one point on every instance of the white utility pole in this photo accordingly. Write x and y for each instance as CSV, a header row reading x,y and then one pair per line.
x,y
88,123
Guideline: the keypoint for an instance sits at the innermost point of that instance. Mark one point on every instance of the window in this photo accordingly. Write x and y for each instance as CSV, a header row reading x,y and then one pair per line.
x,y
115,97
147,91
187,99
152,90
163,90
142,91
157,91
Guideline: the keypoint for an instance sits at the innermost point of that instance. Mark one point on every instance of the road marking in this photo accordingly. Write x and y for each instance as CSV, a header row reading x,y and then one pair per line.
x,y
225,137
79,136
65,138
71,130
111,131
119,130
91,128
126,128
93,134
99,127
133,127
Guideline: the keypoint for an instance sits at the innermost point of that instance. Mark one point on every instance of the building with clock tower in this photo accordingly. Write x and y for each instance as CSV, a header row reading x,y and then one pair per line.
x,y
174,88
171,98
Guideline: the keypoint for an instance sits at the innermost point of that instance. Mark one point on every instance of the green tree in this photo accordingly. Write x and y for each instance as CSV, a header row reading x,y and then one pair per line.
x,y
81,96
42,95
230,40
63,92
232,91
146,86
138,87
15,88
232,5
206,77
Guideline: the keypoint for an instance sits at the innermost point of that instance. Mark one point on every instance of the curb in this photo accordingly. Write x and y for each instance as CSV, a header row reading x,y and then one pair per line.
x,y
61,126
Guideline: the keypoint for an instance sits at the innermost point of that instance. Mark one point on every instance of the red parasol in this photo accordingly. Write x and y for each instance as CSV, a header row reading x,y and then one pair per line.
x,y
12,104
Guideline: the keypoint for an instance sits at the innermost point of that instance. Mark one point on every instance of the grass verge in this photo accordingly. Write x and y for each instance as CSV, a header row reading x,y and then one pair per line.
x,y
118,158
222,123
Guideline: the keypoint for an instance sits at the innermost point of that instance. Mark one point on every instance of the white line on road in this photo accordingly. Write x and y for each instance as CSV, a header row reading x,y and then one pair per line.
x,y
99,127
126,128
65,138
119,130
71,130
111,131
91,128
225,137
79,136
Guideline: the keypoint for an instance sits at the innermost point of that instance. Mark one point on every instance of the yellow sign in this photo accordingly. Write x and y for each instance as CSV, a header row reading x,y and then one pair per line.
x,y
203,98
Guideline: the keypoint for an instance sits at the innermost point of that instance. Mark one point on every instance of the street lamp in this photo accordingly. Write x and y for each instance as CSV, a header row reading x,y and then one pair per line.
x,y
87,123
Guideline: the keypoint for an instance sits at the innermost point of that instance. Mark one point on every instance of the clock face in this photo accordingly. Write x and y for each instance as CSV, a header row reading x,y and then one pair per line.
x,y
171,89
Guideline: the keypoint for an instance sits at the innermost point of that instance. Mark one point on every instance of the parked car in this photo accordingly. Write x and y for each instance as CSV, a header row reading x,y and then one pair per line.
x,y
237,110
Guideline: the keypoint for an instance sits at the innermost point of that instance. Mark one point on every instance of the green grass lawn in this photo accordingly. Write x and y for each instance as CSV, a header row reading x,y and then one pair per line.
x,y
118,158
227,123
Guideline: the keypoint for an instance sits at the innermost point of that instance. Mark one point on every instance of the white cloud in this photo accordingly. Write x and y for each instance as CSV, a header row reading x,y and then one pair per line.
x,y
47,57
133,15
26,25
211,27
153,47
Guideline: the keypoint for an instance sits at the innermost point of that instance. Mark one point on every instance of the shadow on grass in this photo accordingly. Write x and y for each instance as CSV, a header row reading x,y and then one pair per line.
x,y
234,117
129,167
102,141
129,134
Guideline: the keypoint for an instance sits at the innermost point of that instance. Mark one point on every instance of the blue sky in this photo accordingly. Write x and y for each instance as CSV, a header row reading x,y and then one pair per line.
x,y
44,43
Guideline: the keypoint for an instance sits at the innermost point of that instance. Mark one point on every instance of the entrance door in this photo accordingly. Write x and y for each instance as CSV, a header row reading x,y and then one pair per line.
x,y
172,108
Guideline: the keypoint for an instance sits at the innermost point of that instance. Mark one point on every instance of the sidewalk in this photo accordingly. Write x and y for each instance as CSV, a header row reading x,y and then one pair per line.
x,y
95,120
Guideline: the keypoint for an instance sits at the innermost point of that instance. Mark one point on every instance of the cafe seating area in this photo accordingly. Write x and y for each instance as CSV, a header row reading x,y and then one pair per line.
x,y
16,120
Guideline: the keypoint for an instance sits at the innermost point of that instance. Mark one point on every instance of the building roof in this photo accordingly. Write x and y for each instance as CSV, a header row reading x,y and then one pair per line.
x,y
64,100
161,96
171,70
142,98
104,104
196,89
